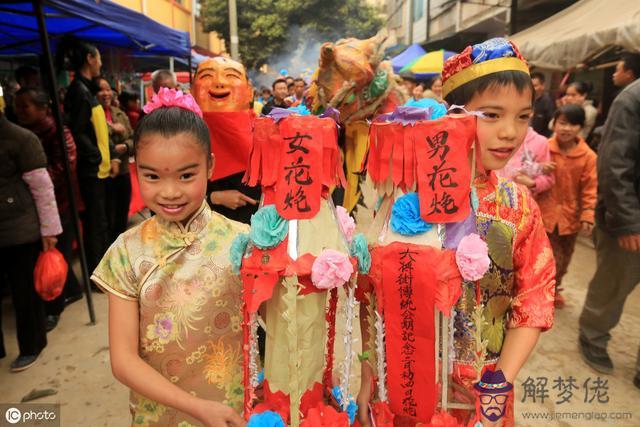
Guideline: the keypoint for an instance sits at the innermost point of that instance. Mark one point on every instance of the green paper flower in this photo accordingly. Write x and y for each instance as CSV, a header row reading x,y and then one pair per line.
x,y
268,228
360,250
238,248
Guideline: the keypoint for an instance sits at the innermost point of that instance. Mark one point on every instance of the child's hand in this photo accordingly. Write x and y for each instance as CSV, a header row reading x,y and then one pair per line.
x,y
233,199
587,228
214,414
524,180
548,167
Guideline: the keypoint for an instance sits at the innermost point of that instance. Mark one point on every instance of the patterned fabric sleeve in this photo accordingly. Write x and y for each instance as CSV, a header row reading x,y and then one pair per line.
x,y
532,304
115,273
41,188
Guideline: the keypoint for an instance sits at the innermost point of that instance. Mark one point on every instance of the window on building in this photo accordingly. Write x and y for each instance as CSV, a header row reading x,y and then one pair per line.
x,y
418,9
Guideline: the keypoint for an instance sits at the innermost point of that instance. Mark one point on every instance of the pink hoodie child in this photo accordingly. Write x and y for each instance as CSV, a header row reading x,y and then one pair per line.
x,y
528,160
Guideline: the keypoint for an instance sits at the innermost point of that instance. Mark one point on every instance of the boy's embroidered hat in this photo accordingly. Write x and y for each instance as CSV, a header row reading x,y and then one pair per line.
x,y
491,56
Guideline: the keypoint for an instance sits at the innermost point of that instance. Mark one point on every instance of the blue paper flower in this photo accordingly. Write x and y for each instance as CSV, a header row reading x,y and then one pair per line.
x,y
268,228
352,408
238,248
405,216
360,250
266,419
437,109
301,109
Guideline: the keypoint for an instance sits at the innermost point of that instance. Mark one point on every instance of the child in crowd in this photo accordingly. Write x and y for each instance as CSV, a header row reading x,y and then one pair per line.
x,y
568,207
529,165
517,291
515,296
174,306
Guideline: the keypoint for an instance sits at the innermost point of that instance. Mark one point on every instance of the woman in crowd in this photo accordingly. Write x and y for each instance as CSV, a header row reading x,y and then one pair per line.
x,y
121,137
577,94
130,104
435,89
32,108
29,223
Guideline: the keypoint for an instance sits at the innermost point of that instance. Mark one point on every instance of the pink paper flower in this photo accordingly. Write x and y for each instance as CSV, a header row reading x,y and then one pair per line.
x,y
472,257
331,269
172,98
347,223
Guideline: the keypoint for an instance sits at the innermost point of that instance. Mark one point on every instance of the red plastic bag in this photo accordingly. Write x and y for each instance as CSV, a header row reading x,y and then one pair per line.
x,y
50,274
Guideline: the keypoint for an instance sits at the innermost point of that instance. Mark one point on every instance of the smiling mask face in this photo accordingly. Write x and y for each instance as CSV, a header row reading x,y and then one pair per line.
x,y
221,85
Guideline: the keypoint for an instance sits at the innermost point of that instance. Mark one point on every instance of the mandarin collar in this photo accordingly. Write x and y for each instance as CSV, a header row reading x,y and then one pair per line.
x,y
194,227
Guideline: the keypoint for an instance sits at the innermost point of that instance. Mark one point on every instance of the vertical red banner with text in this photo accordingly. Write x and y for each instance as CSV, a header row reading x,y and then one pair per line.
x,y
409,281
444,172
299,186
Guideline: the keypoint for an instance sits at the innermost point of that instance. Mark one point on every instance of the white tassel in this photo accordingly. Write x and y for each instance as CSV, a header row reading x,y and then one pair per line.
x,y
348,342
382,361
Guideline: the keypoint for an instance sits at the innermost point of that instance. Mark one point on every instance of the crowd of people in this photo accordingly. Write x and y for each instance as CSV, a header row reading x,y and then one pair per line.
x,y
580,187
98,134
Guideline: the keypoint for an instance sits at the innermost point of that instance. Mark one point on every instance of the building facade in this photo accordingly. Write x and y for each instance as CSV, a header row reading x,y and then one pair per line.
x,y
183,15
453,24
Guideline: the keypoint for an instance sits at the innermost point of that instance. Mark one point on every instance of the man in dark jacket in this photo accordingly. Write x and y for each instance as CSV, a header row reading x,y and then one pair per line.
x,y
97,158
543,106
617,231
279,94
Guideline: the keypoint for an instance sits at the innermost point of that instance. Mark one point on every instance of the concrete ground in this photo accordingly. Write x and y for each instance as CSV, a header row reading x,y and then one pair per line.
x,y
76,365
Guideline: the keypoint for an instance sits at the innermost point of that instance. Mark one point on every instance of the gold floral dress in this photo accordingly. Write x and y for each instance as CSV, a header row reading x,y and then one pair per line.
x,y
189,302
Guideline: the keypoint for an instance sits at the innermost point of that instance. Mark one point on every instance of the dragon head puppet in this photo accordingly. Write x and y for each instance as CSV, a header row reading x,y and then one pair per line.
x,y
352,78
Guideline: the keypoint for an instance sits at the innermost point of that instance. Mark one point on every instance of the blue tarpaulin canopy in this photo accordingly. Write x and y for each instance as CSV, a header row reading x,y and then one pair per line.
x,y
412,53
103,23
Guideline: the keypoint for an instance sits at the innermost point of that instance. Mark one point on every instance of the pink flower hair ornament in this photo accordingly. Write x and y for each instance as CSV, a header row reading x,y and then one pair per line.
x,y
172,98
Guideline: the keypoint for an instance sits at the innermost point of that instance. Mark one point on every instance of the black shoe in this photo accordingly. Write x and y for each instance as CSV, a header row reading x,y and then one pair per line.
x,y
596,357
51,321
23,362
73,298
636,380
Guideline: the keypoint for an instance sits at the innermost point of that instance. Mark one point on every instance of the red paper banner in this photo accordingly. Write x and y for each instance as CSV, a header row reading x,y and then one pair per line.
x,y
296,160
410,282
444,173
299,185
